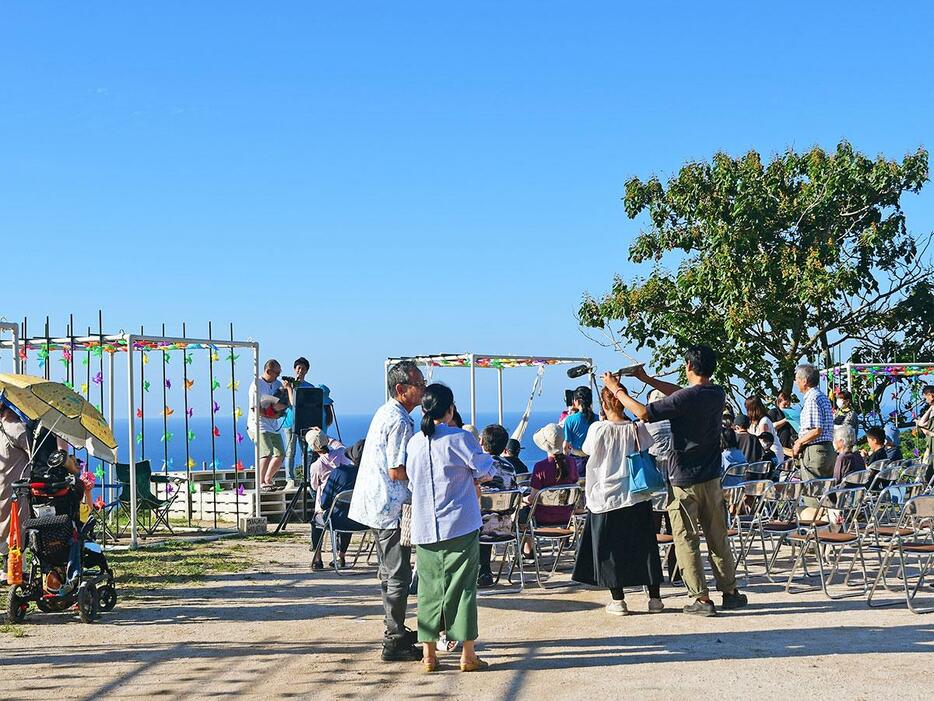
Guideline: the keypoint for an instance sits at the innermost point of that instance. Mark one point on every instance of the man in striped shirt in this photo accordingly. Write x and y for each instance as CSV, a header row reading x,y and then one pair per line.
x,y
814,446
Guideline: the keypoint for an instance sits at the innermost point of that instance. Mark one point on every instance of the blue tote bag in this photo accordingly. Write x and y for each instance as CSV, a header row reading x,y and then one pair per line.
x,y
644,475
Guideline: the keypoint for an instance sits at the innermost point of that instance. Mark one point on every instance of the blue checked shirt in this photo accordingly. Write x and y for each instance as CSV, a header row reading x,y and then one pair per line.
x,y
816,412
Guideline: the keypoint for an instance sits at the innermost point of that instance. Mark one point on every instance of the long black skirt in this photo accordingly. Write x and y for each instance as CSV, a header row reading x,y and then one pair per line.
x,y
618,549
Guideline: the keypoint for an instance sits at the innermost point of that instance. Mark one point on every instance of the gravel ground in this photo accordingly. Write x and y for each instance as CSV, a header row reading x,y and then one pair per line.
x,y
280,631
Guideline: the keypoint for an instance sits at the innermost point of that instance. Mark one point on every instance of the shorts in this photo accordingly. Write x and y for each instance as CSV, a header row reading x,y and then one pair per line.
x,y
270,444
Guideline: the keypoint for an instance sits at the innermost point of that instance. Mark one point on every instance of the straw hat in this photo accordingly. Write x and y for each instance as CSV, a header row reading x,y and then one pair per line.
x,y
550,438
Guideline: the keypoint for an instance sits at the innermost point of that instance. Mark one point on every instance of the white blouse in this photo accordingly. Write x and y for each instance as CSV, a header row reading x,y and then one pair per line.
x,y
607,479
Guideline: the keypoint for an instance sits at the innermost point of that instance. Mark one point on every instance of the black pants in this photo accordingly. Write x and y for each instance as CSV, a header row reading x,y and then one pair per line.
x,y
655,592
343,539
486,556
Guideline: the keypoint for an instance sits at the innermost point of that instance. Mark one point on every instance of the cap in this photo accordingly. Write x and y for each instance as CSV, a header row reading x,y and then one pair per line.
x,y
513,446
317,439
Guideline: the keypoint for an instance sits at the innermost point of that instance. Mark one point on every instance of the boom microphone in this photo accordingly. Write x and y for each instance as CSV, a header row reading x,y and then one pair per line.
x,y
578,370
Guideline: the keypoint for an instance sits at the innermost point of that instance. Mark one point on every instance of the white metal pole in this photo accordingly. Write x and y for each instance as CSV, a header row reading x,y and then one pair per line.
x,y
386,379
14,332
255,388
131,443
849,378
473,390
110,469
499,392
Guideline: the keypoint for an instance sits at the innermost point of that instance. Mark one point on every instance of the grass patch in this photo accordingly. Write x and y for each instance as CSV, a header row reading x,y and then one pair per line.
x,y
177,562
12,630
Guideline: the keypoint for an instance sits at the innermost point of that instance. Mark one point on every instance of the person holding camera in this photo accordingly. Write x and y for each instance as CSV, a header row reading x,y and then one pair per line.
x,y
267,398
695,496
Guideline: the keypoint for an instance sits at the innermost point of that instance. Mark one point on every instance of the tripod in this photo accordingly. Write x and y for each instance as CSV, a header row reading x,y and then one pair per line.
x,y
303,487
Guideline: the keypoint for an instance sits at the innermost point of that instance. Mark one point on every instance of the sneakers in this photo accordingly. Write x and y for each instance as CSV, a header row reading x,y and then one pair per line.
x,y
403,653
656,606
736,600
290,484
701,608
617,608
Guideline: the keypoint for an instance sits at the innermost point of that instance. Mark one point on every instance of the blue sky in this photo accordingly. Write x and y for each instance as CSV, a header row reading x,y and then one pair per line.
x,y
354,180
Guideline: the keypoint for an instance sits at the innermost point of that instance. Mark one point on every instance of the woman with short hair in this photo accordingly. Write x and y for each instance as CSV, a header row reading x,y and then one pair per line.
x,y
760,424
443,464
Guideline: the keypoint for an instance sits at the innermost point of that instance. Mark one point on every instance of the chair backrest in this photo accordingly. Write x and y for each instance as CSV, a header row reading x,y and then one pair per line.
x,y
921,507
884,476
879,464
756,488
737,470
143,474
860,478
344,497
784,492
501,502
816,488
560,495
848,500
759,470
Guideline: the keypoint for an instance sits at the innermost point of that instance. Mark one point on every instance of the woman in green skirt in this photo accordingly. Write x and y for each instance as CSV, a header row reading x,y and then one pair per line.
x,y
443,465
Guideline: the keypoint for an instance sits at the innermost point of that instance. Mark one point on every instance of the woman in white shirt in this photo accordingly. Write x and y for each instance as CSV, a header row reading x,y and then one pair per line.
x,y
759,423
618,547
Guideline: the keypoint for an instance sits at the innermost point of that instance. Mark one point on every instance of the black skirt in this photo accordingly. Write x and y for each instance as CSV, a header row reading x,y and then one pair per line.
x,y
619,549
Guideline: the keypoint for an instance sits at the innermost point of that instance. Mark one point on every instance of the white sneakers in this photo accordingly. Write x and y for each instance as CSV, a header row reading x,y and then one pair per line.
x,y
619,608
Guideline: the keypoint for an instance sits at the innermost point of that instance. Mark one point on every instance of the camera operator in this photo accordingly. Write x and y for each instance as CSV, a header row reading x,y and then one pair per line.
x,y
294,442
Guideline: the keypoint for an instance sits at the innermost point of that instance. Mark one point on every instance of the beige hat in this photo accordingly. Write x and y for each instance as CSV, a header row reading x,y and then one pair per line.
x,y
471,429
317,440
550,438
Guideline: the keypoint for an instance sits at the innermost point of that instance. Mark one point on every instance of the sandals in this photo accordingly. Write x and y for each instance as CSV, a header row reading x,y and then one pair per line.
x,y
476,666
429,664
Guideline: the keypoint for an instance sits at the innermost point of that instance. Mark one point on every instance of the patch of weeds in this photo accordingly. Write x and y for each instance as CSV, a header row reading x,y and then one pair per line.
x,y
176,562
12,630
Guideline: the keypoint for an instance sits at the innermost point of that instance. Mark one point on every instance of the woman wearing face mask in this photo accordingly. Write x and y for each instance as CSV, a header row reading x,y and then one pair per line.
x,y
843,413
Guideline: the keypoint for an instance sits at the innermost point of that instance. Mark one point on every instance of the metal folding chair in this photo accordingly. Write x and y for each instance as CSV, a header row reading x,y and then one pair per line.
x,y
504,503
146,501
561,537
334,533
759,470
913,536
845,507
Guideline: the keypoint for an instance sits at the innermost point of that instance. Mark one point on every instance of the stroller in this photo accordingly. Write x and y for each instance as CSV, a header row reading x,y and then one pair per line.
x,y
67,567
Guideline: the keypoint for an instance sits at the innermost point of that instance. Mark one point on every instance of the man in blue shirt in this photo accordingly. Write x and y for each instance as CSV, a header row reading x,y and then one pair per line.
x,y
295,443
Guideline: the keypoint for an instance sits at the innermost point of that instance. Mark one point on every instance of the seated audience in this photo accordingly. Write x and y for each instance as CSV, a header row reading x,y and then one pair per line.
x,y
340,479
875,437
493,441
731,455
747,443
848,460
511,453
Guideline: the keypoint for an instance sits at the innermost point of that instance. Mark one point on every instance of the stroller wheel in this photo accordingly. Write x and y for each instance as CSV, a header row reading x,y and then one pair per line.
x,y
87,603
107,597
16,605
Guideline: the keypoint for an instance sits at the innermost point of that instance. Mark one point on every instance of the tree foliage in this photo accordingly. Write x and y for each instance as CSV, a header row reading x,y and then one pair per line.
x,y
807,256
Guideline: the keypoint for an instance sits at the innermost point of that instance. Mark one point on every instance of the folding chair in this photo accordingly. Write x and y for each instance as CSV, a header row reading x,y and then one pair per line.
x,y
734,474
334,534
759,470
913,535
146,501
734,498
504,503
560,495
846,502
665,541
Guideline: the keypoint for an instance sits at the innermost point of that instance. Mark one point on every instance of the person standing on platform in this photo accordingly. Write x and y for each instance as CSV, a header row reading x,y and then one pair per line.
x,y
382,488
695,496
266,398
294,442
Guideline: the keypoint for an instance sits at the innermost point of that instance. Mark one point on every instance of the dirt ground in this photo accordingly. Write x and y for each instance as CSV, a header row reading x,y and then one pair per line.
x,y
280,631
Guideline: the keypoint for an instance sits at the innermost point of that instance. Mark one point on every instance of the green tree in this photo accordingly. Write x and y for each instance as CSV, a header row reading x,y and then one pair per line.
x,y
805,257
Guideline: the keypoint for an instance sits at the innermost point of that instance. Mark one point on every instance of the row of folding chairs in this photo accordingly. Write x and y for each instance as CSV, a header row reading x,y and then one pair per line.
x,y
886,510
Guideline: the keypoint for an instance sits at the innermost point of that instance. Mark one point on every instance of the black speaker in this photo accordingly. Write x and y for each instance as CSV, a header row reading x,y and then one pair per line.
x,y
309,409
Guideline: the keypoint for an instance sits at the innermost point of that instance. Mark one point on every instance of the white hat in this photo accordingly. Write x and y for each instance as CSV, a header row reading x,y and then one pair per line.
x,y
550,438
316,439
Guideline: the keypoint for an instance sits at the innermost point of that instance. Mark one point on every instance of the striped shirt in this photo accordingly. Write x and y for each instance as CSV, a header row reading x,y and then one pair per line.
x,y
816,412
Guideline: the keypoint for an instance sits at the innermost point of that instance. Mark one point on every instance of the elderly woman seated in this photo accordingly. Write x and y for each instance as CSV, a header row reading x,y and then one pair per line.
x,y
848,460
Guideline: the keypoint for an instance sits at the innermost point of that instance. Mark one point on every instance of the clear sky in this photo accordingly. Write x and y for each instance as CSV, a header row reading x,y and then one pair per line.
x,y
354,180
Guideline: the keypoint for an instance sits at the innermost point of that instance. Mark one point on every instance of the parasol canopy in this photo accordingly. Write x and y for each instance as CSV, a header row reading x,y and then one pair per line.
x,y
61,411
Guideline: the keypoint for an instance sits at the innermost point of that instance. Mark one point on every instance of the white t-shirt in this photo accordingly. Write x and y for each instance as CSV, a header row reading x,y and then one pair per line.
x,y
608,443
765,425
266,389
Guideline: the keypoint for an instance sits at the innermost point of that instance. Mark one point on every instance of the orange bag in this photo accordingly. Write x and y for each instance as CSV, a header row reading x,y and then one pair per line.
x,y
14,568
